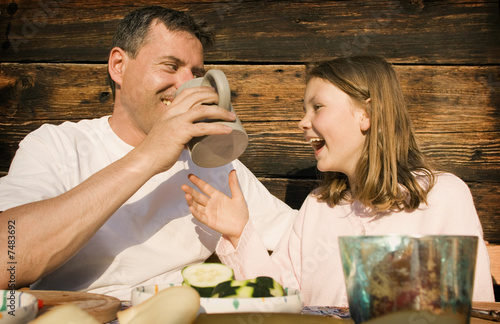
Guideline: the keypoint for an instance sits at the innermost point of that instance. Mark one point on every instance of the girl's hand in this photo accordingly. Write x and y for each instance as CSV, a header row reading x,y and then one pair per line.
x,y
224,214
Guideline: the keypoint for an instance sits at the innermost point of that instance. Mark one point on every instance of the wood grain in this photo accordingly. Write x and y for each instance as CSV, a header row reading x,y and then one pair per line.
x,y
433,32
447,54
102,307
494,253
455,112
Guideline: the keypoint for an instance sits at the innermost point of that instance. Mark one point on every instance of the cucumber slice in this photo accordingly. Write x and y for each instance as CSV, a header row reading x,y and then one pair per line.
x,y
236,292
275,289
257,287
228,288
205,276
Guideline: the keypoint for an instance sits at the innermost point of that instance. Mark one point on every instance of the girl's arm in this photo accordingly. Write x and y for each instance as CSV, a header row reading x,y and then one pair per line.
x,y
241,246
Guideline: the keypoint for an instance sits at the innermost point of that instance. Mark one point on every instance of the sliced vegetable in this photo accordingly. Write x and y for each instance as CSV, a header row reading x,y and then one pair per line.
x,y
257,287
275,289
204,277
228,288
236,292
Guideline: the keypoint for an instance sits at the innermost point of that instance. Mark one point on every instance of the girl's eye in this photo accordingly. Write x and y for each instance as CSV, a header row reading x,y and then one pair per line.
x,y
316,107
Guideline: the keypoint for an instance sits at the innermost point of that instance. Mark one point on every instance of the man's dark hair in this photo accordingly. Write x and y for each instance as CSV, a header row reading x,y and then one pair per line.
x,y
133,30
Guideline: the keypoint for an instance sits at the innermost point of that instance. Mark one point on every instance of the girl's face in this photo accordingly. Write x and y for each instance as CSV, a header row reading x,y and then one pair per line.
x,y
334,127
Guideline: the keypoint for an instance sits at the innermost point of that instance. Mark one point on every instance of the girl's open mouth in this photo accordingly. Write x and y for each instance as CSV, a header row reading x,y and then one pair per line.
x,y
317,143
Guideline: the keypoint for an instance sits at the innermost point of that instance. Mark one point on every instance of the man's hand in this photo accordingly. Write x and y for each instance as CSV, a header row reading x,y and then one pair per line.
x,y
181,121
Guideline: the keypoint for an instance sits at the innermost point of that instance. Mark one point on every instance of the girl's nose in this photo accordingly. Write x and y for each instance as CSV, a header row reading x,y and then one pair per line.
x,y
304,123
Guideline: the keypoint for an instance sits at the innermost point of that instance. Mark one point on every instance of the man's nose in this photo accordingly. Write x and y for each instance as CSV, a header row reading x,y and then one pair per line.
x,y
183,77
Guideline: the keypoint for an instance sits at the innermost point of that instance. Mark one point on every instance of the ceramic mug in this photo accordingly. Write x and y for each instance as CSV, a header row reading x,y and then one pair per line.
x,y
212,151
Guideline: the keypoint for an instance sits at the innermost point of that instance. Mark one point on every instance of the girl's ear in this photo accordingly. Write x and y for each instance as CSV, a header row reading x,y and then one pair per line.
x,y
116,64
364,121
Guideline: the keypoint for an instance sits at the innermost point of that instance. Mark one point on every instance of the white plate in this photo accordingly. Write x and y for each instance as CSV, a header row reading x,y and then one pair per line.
x,y
17,307
290,303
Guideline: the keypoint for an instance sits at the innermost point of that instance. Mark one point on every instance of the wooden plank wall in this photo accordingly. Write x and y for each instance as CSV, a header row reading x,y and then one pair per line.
x,y
447,53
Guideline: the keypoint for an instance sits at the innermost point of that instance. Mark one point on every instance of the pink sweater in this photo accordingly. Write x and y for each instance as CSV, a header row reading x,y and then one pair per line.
x,y
308,255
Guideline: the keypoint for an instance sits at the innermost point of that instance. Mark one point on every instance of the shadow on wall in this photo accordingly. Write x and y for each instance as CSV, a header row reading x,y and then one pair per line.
x,y
300,184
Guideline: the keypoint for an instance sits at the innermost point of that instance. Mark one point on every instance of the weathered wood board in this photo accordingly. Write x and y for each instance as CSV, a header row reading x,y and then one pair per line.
x,y
447,53
454,111
408,31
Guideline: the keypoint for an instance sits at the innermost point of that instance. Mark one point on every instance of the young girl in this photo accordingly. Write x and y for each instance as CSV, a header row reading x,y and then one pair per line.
x,y
376,182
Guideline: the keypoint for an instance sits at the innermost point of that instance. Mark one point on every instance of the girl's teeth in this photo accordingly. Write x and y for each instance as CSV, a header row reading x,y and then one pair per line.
x,y
166,102
316,143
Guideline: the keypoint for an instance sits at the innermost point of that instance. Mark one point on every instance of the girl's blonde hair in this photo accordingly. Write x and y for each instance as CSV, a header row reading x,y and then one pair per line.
x,y
392,173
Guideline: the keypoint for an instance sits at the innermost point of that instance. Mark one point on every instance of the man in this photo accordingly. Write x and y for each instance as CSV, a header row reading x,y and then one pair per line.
x,y
97,205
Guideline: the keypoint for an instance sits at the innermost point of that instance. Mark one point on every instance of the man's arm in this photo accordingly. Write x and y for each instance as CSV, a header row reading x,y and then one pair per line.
x,y
50,232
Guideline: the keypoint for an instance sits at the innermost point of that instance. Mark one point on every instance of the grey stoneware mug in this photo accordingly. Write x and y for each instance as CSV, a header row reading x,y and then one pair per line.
x,y
212,151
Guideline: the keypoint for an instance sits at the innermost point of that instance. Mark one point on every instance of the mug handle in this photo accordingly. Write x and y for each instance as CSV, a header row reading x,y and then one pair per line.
x,y
217,79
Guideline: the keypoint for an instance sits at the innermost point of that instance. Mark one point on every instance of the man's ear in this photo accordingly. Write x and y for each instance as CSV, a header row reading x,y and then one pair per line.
x,y
116,63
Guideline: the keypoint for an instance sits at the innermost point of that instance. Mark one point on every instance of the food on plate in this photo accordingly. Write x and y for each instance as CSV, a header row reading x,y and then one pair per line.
x,y
216,280
257,287
65,314
205,276
178,304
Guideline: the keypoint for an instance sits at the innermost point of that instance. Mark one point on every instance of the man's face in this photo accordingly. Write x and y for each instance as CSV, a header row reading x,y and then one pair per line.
x,y
165,61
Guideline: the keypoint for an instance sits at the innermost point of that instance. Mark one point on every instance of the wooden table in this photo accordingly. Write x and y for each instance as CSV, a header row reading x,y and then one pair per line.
x,y
263,318
284,319
484,305
307,318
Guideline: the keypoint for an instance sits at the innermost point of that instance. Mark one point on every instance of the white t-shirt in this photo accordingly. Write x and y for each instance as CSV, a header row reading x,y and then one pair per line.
x,y
153,235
